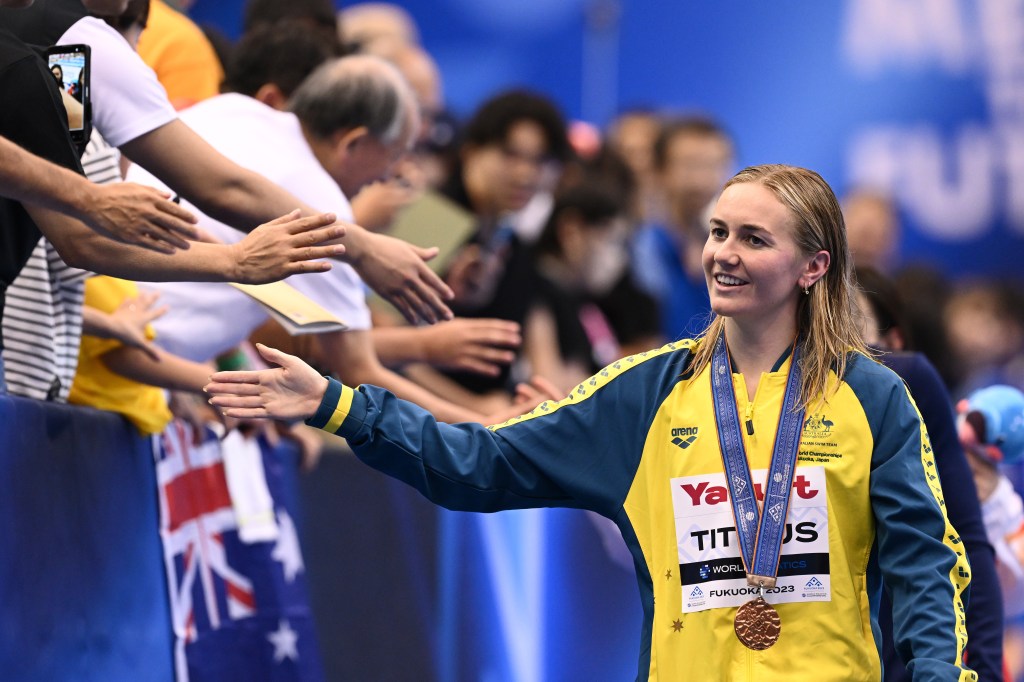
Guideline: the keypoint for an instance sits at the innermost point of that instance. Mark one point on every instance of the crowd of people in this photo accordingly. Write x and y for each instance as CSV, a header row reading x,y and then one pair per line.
x,y
637,267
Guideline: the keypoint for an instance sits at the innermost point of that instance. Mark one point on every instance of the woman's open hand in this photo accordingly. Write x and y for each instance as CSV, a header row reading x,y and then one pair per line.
x,y
292,390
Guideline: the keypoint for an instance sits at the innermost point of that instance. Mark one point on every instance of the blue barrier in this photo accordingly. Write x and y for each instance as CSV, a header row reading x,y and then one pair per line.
x,y
400,589
82,588
404,590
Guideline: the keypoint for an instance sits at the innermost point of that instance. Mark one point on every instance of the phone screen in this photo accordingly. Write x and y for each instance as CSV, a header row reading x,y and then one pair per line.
x,y
69,72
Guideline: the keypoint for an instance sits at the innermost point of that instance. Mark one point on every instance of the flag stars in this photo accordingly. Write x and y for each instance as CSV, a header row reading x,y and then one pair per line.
x,y
287,551
285,641
677,625
668,574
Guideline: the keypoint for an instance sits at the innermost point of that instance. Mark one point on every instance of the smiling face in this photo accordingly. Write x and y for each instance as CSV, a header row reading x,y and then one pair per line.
x,y
754,267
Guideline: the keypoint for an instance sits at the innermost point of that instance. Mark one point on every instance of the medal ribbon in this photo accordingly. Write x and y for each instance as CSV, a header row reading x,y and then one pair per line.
x,y
760,534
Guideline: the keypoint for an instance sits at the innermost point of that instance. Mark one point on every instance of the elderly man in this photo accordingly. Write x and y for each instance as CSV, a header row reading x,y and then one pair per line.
x,y
348,124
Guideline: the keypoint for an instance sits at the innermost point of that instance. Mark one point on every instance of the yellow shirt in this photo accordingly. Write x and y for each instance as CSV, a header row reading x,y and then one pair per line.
x,y
96,386
181,55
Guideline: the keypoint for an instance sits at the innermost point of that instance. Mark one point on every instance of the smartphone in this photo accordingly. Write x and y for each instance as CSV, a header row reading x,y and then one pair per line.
x,y
69,65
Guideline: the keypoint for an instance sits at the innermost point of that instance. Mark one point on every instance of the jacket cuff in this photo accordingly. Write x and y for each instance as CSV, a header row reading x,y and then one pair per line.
x,y
335,408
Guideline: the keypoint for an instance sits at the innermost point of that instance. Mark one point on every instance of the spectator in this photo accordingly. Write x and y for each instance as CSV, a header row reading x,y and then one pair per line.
x,y
985,323
376,206
926,291
873,226
577,259
44,325
633,135
507,146
350,122
991,429
693,157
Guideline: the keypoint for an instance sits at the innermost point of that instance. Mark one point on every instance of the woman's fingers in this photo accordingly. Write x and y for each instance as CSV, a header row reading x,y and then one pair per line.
x,y
229,401
237,389
225,382
246,412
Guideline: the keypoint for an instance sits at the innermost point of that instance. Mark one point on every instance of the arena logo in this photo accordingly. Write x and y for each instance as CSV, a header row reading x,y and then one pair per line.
x,y
684,436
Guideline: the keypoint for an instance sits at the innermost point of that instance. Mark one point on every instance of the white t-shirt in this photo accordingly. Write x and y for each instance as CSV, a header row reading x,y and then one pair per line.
x,y
127,99
207,319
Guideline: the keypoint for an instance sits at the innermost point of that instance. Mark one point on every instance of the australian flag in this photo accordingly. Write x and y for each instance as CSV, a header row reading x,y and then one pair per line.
x,y
240,610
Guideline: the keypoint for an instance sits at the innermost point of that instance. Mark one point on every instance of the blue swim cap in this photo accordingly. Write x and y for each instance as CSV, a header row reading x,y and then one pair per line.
x,y
1002,408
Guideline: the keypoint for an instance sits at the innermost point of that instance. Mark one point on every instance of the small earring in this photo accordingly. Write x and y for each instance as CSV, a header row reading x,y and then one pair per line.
x,y
806,291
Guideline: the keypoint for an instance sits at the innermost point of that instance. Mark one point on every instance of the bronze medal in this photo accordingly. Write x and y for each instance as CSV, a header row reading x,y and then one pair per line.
x,y
757,624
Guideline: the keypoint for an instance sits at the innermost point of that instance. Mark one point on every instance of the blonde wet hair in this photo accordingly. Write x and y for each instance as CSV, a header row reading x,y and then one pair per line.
x,y
827,318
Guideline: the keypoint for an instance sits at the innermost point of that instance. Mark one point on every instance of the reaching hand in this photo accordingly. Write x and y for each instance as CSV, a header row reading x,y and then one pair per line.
x,y
535,392
139,215
483,346
286,246
127,323
398,272
292,390
191,409
131,318
475,272
376,205
528,396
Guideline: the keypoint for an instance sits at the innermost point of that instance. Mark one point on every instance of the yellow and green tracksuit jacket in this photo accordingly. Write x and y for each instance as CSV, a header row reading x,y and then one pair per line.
x,y
638,444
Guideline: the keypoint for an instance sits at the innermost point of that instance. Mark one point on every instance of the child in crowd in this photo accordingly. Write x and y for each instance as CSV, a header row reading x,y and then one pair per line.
x,y
991,429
